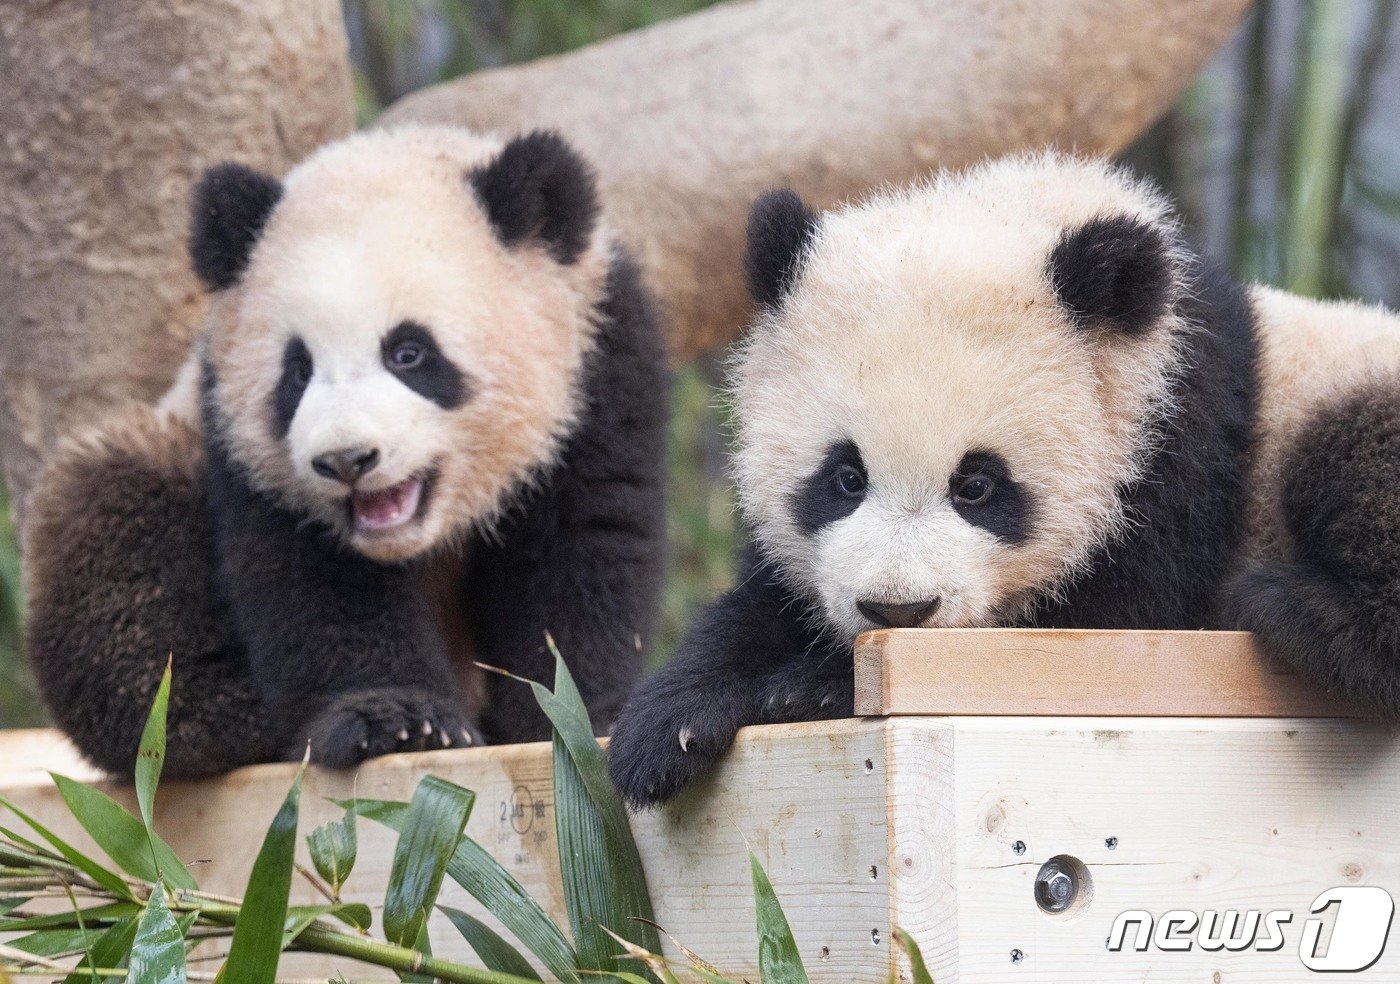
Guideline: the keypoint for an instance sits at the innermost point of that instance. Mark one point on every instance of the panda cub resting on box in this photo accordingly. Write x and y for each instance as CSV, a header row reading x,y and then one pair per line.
x,y
433,401
1013,397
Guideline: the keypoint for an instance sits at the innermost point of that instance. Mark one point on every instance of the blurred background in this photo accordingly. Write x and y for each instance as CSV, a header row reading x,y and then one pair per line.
x,y
1284,157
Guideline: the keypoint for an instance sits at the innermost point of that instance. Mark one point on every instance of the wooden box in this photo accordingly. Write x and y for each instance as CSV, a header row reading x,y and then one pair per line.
x,y
1180,770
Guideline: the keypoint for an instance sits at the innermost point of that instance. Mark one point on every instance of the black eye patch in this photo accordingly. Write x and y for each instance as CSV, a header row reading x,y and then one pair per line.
x,y
296,373
412,355
1007,511
834,491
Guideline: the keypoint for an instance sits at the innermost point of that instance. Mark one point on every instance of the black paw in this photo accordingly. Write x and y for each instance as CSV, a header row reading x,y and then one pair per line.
x,y
364,724
802,692
654,753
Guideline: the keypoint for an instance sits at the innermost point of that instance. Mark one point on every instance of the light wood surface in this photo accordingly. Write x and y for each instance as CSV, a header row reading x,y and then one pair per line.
x,y
865,825
1073,672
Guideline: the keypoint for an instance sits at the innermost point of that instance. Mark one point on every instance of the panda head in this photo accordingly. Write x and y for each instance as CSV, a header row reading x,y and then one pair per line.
x,y
397,330
947,387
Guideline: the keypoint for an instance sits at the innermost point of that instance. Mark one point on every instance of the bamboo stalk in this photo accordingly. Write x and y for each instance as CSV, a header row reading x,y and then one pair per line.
x,y
1318,131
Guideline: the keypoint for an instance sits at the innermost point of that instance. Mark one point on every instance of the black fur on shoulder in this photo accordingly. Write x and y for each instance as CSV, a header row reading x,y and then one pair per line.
x,y
754,656
1113,271
1186,512
780,227
583,557
539,189
1333,609
232,203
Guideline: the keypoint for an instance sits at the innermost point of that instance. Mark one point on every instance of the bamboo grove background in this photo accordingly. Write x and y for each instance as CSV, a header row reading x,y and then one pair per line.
x,y
1284,158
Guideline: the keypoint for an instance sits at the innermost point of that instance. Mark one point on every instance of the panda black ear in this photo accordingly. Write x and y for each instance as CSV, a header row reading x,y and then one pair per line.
x,y
538,189
1113,272
232,203
780,226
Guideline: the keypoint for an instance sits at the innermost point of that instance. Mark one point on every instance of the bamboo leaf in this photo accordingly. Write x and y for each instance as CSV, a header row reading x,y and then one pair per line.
x,y
111,951
496,953
256,949
916,957
56,942
778,959
334,847
604,881
431,831
94,915
485,880
126,840
109,880
150,757
158,952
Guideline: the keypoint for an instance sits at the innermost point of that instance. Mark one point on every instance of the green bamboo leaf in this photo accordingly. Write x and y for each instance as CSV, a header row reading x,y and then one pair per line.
x,y
8,906
56,942
333,850
126,840
353,914
432,829
109,880
778,959
158,952
256,949
604,881
110,952
94,915
916,957
485,880
150,757
496,953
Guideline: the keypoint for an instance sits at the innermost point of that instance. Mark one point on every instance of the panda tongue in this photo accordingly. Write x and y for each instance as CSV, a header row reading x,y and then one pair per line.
x,y
386,508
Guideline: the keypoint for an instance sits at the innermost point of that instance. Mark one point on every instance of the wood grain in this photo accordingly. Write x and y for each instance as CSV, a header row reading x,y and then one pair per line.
x,y
1072,672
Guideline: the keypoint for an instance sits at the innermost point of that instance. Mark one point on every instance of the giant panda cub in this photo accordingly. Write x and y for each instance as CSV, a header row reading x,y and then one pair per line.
x,y
423,426
1014,397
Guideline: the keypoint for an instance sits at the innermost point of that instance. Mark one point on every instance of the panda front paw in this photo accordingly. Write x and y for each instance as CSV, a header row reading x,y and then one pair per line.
x,y
655,753
801,692
364,724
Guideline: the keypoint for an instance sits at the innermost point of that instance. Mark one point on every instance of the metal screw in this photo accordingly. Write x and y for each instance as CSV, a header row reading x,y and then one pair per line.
x,y
1017,956
1056,886
875,937
1018,848
1111,843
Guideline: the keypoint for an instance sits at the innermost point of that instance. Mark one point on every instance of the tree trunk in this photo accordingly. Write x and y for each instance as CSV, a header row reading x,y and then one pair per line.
x,y
111,111
691,119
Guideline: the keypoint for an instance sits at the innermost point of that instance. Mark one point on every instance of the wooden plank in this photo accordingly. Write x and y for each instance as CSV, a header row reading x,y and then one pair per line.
x,y
799,795
936,825
1207,814
1079,673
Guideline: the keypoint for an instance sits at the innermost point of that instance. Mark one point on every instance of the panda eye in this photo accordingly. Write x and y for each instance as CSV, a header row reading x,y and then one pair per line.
x,y
407,355
849,481
972,490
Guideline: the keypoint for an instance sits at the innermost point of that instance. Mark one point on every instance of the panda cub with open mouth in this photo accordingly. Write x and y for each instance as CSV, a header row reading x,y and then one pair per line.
x,y
423,427
1014,397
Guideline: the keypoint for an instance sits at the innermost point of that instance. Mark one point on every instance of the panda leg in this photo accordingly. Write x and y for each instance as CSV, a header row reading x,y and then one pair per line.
x,y
1333,609
119,554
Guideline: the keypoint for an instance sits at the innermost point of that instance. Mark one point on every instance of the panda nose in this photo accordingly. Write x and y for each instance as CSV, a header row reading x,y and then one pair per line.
x,y
898,616
347,464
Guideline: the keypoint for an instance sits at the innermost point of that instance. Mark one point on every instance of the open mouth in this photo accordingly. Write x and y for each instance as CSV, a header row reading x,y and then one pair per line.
x,y
390,508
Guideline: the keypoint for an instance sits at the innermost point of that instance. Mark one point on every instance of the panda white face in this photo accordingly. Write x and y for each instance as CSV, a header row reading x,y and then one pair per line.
x,y
386,363
928,436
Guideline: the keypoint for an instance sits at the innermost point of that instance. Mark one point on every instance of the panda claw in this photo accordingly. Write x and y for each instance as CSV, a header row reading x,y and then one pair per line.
x,y
427,729
446,740
402,736
686,737
466,737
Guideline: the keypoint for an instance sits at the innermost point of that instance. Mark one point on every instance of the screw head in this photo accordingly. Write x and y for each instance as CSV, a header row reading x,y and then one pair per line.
x,y
1017,956
1018,848
1056,886
1111,843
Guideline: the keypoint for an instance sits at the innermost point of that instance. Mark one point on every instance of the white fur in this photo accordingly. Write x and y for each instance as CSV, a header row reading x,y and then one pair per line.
x,y
373,230
923,326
